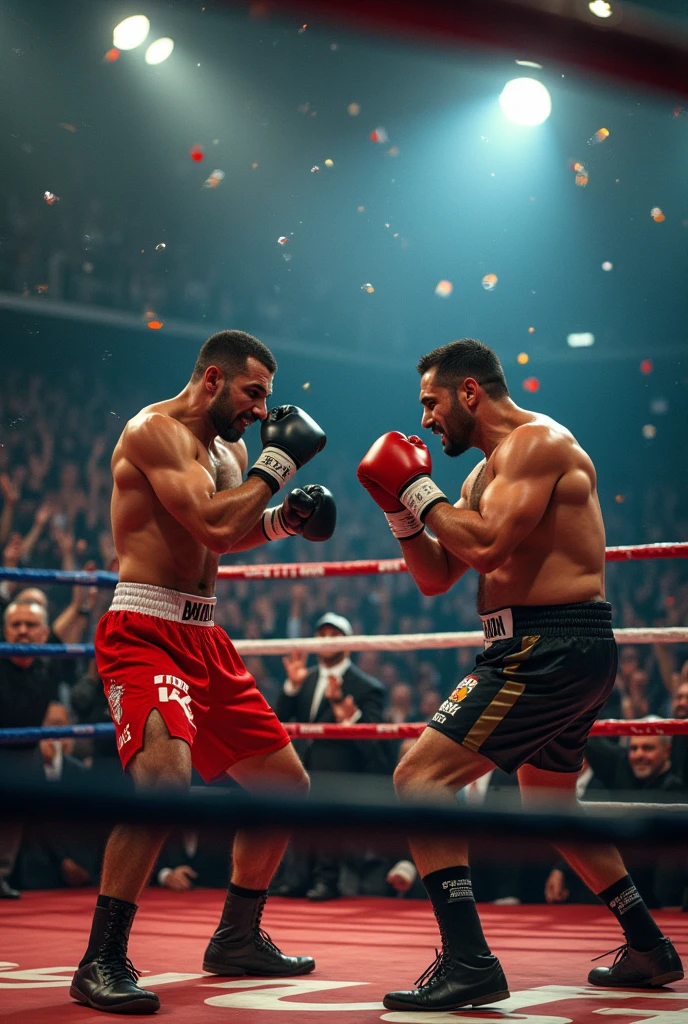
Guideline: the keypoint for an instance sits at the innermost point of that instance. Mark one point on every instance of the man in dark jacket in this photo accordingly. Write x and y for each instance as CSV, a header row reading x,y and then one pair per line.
x,y
334,691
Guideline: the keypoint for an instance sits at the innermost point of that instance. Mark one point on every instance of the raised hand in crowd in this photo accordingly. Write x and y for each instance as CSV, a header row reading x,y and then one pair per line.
x,y
10,496
296,668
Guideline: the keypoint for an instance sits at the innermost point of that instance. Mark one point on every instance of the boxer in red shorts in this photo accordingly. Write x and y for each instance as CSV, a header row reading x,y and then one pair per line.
x,y
179,693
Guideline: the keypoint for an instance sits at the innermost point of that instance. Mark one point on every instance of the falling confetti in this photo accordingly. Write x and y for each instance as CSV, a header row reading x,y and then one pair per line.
x,y
283,240
367,288
354,109
50,198
196,153
360,209
41,288
607,265
528,64
214,179
444,289
619,499
531,330
329,163
155,325
160,246
646,366
303,29
657,215
584,339
379,135
649,431
306,386
582,176
67,127
522,358
112,55
303,108
393,151
489,282
315,169
531,384
254,165
600,135
659,406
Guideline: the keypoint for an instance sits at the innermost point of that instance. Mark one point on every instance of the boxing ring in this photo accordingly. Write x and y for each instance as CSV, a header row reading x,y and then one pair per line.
x,y
360,943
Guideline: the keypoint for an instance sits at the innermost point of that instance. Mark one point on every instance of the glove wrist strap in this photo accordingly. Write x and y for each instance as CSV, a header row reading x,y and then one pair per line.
x,y
274,526
275,467
420,495
404,524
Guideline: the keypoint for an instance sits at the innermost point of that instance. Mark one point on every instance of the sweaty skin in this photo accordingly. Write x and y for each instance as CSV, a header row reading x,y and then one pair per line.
x,y
528,519
178,500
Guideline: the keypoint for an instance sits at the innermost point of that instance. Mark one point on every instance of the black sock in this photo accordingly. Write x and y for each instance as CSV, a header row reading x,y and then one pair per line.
x,y
100,919
628,907
249,894
451,894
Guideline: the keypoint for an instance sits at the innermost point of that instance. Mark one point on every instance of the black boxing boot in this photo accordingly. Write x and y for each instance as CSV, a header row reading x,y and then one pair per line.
x,y
635,969
239,945
106,978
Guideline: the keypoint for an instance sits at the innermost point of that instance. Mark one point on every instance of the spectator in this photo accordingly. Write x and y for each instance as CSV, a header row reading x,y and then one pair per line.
x,y
335,691
679,744
27,692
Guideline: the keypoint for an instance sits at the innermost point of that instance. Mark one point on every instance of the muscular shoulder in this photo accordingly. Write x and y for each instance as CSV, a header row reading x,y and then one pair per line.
x,y
543,443
151,434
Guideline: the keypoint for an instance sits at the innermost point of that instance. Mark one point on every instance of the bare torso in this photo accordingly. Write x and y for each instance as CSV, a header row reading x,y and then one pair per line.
x,y
152,546
562,560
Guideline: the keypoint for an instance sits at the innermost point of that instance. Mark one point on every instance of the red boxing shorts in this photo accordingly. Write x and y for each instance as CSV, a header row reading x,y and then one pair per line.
x,y
159,649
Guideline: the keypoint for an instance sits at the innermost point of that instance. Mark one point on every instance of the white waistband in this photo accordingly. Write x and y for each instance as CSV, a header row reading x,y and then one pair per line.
x,y
497,625
163,603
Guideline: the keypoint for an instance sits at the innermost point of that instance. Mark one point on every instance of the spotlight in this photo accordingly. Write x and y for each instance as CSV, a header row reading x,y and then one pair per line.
x,y
525,101
131,32
159,51
600,8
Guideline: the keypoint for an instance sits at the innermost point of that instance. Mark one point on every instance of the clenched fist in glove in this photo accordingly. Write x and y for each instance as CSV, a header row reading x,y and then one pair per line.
x,y
396,472
290,439
310,511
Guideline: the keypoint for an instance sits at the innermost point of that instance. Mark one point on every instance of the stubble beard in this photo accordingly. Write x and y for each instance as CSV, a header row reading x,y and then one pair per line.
x,y
459,430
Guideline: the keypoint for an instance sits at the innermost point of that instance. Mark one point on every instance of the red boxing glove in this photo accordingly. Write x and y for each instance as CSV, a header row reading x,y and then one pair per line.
x,y
400,467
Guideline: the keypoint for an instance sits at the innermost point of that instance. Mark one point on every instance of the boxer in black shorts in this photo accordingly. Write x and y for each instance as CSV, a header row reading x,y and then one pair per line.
x,y
529,521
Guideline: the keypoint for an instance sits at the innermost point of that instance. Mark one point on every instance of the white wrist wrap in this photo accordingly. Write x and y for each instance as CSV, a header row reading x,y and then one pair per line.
x,y
420,496
404,524
274,526
276,464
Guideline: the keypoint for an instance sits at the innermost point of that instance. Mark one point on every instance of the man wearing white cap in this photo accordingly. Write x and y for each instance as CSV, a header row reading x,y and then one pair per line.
x,y
334,691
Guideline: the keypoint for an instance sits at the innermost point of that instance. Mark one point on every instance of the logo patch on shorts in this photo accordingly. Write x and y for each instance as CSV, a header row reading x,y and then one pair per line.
x,y
115,694
125,736
463,689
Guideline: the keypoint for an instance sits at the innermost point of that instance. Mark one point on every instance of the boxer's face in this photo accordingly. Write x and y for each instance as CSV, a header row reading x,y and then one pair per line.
x,y
444,415
241,401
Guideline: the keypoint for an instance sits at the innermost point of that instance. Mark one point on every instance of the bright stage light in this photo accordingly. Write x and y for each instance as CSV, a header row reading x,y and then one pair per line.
x,y
525,101
131,32
600,8
159,51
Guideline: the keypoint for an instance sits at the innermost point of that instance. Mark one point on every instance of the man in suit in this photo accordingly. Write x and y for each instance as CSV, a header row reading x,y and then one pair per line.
x,y
334,691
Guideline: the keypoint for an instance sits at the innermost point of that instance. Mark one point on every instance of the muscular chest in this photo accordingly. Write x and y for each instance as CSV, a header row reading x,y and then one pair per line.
x,y
477,488
224,470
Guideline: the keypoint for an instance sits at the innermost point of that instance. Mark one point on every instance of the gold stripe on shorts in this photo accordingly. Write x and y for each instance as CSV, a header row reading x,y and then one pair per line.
x,y
503,701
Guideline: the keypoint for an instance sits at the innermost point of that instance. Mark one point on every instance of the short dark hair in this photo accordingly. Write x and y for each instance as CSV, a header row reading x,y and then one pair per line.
x,y
466,358
230,350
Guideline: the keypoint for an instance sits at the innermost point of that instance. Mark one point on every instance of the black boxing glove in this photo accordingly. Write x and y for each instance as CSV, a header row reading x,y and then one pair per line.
x,y
321,522
290,439
289,518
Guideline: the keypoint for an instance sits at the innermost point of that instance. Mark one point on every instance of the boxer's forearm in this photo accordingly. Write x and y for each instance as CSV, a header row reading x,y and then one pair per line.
x,y
433,568
466,535
253,539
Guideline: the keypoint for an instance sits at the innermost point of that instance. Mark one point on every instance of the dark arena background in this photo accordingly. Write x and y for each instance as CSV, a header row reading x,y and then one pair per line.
x,y
354,184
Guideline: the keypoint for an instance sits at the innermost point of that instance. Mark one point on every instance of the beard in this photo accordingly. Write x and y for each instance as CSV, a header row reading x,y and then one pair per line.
x,y
222,416
459,430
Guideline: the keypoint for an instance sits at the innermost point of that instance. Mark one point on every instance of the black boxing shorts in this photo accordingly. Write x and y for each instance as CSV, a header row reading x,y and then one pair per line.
x,y
537,686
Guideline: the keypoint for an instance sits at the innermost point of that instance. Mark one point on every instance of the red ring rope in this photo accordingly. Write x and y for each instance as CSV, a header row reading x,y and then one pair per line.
x,y
411,730
385,566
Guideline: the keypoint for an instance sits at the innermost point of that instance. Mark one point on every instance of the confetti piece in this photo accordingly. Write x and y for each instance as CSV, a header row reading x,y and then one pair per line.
x,y
443,288
528,64
646,366
607,265
619,499
196,153
303,29
582,178
306,386
314,170
42,288
112,55
583,340
160,246
522,358
659,406
657,215
367,288
379,135
214,179
87,268
50,198
155,325
67,127
649,431
531,384
283,240
354,109
303,108
329,163
286,256
531,330
600,135
489,282
360,209
254,165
